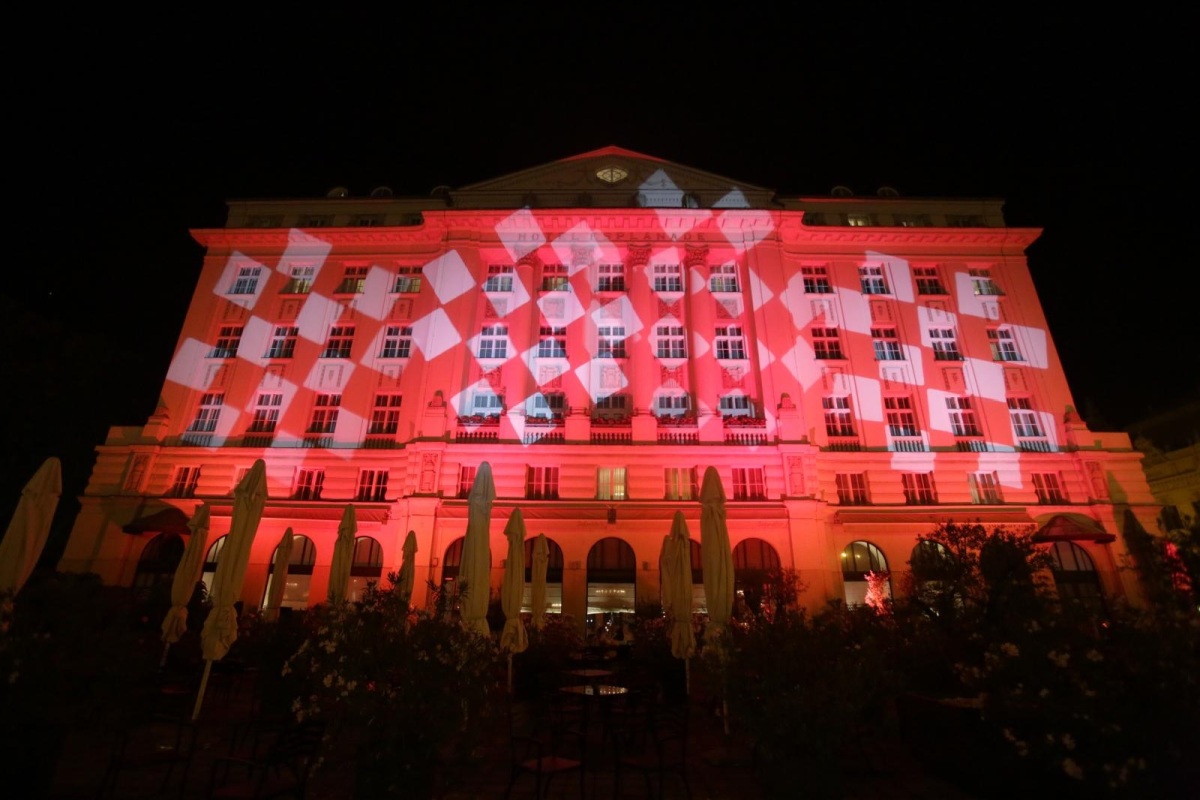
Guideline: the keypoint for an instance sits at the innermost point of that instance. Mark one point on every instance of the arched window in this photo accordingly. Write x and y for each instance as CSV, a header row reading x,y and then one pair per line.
x,y
611,578
554,577
453,560
366,566
210,562
930,560
157,563
1075,575
756,571
299,573
933,572
858,559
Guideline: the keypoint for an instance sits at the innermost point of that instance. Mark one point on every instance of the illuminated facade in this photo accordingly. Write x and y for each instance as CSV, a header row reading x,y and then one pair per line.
x,y
601,329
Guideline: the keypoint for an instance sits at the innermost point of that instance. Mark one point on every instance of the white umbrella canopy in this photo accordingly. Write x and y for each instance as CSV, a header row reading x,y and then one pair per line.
x,y
408,569
477,553
186,574
675,564
279,573
717,558
343,555
541,561
513,638
30,525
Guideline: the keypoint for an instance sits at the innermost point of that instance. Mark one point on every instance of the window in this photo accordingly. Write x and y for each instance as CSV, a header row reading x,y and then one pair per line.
x,y
553,343
982,283
671,405
730,343
366,567
611,278
309,483
985,489
614,403
408,280
228,340
397,341
367,220
551,404
184,483
372,485
207,413
611,342
385,415
668,278
816,280
500,278
466,477
554,278
541,483
852,488
1075,575
246,281
912,220
887,344
325,413
300,280
315,221
964,221
1048,488
962,417
488,403
671,341
264,221
610,483
493,342
859,220
1024,420
900,418
283,342
723,278
354,280
826,344
928,280
341,337
872,280
1003,346
748,484
839,420
945,344
918,488
736,405
266,413
680,483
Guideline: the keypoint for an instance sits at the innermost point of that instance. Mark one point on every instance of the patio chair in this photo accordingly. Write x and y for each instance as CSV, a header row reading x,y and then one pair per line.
x,y
667,750
282,772
538,749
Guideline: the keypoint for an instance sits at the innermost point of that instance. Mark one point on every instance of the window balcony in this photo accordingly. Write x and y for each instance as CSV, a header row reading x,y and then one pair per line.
x,y
907,445
462,435
380,441
1035,446
317,440
612,435
543,435
746,437
196,439
972,445
258,439
678,437
844,444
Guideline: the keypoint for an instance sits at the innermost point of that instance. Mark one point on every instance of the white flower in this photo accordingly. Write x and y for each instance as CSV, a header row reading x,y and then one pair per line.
x,y
328,680
1059,659
1044,693
351,684
1072,769
1008,734
1094,655
1068,741
1010,649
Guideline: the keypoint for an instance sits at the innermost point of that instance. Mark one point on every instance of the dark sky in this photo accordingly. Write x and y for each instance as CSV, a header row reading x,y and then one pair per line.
x,y
129,132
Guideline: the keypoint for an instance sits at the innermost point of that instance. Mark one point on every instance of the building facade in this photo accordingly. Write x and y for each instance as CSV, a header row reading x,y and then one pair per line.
x,y
600,330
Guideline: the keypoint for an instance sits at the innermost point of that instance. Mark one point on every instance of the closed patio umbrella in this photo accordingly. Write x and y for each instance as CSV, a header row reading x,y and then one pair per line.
x,y
537,592
477,553
513,638
408,569
186,574
675,564
343,555
30,525
718,565
279,573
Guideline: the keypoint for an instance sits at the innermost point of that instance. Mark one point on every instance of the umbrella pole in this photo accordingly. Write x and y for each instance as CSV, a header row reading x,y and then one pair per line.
x,y
163,662
687,677
203,686
510,673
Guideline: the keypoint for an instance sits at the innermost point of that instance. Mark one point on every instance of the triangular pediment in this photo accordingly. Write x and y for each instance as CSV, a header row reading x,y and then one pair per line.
x,y
613,177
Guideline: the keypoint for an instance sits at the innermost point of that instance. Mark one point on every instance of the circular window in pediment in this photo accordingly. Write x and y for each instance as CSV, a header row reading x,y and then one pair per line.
x,y
612,174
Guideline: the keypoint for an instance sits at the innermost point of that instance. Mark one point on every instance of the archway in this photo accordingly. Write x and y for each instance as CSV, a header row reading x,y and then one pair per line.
x,y
858,559
366,566
1075,575
554,577
210,562
756,572
611,581
453,561
158,561
299,573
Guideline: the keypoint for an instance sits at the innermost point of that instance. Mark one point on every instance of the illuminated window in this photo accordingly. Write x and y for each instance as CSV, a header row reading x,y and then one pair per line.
x,y
300,280
408,280
283,342
668,278
671,341
839,420
610,342
912,220
736,405
859,220
724,278
372,485
985,489
748,484
325,413
611,278
354,280
208,412
500,278
488,403
982,283
610,483
309,483
184,483
246,281
227,343
887,344
852,488
671,405
918,488
826,344
493,342
554,278
858,559
341,337
730,343
553,343
366,567
945,344
962,417
549,404
816,280
466,478
541,483
1024,419
1003,346
680,483
397,341
385,415
872,280
1049,488
266,413
901,420
928,280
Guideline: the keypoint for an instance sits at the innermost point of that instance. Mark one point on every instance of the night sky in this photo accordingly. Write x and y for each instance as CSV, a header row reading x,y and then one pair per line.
x,y
125,140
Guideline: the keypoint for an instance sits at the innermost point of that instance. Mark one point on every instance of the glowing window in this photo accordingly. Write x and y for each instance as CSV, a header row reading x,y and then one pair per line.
x,y
839,419
325,413
397,341
1024,419
748,484
283,342
185,482
736,405
385,415
300,280
985,489
466,478
493,342
901,420
354,280
872,280
668,278
1049,489
826,344
266,413
408,280
541,483
308,485
859,220
945,344
982,283
610,342
612,174
928,281
246,281
228,340
918,488
680,483
299,573
611,278
208,412
730,343
1003,346
610,483
671,342
372,485
554,278
341,339
887,344
724,278
816,280
962,417
500,278
852,488
553,343
912,220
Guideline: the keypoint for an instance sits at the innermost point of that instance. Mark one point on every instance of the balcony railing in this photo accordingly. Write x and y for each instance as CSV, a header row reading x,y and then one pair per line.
x,y
1035,445
745,437
547,437
907,445
972,445
380,441
196,439
258,440
612,436
317,440
844,444
678,437
462,435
